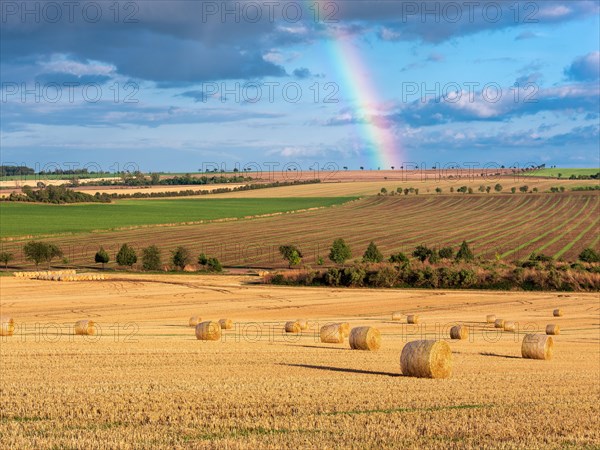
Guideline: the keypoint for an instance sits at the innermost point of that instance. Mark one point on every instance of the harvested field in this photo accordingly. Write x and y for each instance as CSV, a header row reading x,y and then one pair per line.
x,y
145,380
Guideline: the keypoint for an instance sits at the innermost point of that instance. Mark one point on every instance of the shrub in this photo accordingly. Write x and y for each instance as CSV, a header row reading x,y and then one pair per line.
x,y
126,256
434,257
498,187
399,258
101,257
372,254
340,251
214,265
320,261
422,252
333,277
384,277
181,257
202,259
446,252
353,276
589,255
151,259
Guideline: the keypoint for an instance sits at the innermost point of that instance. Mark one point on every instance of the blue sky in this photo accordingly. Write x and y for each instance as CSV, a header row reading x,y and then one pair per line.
x,y
147,86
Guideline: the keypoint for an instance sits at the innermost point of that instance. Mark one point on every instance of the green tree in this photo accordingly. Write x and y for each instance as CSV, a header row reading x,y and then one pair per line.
x,y
464,253
513,189
126,256
39,252
383,191
498,187
438,190
340,251
214,265
101,257
5,258
154,178
202,259
524,189
181,257
151,258
372,254
291,254
422,252
488,189
589,255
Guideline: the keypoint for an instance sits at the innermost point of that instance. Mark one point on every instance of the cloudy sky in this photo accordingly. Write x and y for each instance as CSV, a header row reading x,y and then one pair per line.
x,y
181,85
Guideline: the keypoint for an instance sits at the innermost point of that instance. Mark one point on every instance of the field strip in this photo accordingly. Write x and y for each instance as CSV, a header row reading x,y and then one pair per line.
x,y
541,236
577,238
409,410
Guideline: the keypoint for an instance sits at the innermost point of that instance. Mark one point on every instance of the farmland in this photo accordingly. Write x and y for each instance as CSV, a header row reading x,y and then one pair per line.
x,y
35,219
506,226
564,172
147,382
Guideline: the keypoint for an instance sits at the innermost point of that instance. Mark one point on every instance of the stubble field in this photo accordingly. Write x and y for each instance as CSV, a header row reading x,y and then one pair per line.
x,y
146,382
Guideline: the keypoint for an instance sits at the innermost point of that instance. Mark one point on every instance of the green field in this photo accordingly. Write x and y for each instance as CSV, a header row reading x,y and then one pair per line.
x,y
24,219
565,172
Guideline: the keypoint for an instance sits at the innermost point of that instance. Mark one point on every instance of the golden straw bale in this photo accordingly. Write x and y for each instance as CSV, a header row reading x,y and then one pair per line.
x,y
85,327
303,324
208,331
194,320
459,332
365,338
509,325
490,318
397,315
332,334
557,312
426,359
293,327
7,326
412,318
552,329
345,327
226,324
499,323
537,346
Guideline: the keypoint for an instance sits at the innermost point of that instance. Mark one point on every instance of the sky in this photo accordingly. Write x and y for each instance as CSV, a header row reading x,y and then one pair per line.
x,y
184,86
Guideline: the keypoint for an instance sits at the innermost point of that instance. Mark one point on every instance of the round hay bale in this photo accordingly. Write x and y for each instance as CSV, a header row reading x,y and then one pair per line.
x,y
303,324
552,329
490,318
7,326
85,328
426,359
557,312
194,320
537,346
397,315
345,327
226,324
208,331
509,325
499,323
459,332
365,338
332,334
412,318
293,327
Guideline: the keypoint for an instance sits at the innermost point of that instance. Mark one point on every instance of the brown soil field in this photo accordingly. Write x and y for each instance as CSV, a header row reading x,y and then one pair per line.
x,y
145,381
510,226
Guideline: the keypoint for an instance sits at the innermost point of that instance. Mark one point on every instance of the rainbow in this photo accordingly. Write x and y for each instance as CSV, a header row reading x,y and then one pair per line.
x,y
386,148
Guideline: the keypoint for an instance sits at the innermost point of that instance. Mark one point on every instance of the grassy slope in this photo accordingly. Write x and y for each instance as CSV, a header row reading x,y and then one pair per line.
x,y
31,218
565,172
